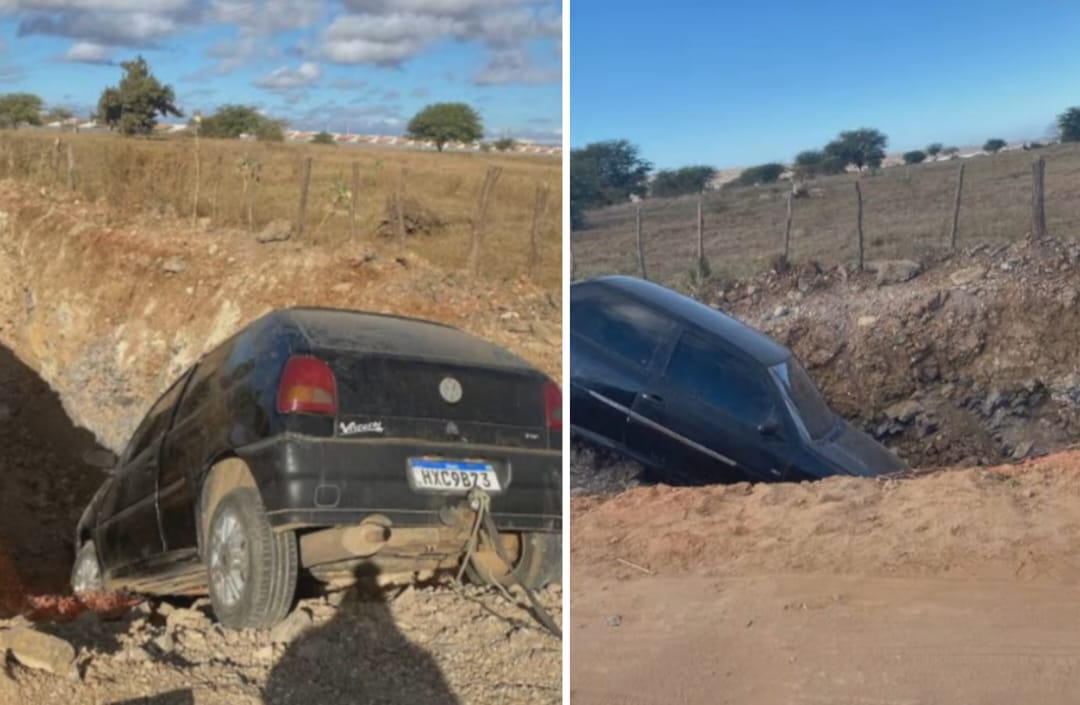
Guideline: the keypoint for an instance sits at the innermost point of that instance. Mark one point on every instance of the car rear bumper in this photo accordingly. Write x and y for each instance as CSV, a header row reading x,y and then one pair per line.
x,y
312,481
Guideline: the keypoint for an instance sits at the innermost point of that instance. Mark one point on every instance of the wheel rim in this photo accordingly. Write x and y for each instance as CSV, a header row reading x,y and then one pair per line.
x,y
228,559
87,576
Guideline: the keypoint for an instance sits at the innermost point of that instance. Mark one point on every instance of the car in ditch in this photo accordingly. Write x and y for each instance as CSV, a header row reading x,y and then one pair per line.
x,y
339,443
699,397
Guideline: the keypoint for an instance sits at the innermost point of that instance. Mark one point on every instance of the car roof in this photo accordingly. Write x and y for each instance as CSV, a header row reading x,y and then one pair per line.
x,y
362,331
749,340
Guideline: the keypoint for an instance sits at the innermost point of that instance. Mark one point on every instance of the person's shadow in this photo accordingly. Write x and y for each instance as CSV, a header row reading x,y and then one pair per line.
x,y
358,657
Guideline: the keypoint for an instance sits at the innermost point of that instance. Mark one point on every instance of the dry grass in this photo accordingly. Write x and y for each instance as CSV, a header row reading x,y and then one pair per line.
x,y
907,213
135,176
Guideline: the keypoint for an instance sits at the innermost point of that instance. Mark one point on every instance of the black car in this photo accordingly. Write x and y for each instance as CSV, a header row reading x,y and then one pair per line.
x,y
336,442
699,397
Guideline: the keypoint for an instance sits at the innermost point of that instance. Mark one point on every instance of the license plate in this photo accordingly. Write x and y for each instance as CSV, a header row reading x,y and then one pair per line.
x,y
440,475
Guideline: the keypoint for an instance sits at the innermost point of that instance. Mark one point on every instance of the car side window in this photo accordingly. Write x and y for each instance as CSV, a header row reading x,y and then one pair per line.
x,y
199,388
620,326
156,421
701,370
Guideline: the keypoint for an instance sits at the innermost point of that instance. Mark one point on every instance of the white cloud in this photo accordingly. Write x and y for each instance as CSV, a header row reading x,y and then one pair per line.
x,y
287,79
89,53
514,66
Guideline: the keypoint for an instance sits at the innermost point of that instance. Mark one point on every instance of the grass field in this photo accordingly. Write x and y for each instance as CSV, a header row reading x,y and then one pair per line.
x,y
136,176
907,212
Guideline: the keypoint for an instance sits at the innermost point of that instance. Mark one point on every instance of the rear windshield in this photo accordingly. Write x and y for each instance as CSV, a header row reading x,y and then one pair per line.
x,y
810,407
408,388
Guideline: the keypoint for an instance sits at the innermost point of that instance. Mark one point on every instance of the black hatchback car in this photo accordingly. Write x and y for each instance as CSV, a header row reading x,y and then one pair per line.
x,y
336,442
699,397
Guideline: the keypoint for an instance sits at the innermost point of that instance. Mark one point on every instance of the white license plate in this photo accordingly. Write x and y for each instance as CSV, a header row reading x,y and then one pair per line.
x,y
441,475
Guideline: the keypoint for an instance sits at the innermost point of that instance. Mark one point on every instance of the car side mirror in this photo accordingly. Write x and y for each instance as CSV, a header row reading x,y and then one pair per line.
x,y
101,458
770,427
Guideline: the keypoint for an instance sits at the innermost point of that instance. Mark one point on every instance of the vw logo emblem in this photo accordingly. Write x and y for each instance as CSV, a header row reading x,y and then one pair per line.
x,y
452,429
450,390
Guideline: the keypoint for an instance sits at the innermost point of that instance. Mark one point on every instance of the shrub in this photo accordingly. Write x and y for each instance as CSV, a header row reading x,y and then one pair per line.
x,y
916,156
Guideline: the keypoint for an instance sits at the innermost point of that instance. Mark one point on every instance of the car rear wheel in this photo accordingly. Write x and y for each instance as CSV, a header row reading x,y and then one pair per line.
x,y
251,568
86,571
536,559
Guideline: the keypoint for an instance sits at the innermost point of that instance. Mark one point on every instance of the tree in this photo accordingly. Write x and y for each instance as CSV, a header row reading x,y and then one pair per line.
x,y
916,156
679,182
446,122
994,145
19,109
505,144
934,149
808,163
864,147
323,138
950,151
57,114
603,173
761,174
230,121
1068,124
134,105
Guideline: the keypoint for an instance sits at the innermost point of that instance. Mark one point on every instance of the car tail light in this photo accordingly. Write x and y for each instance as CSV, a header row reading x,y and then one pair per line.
x,y
307,387
553,406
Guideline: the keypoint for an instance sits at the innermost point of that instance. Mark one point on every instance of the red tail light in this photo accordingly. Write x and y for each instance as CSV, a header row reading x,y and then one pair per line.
x,y
307,387
553,406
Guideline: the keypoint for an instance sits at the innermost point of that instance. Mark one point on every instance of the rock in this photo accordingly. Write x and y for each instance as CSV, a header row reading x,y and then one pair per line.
x,y
894,271
866,321
614,620
904,411
292,626
780,312
275,231
1022,450
174,265
35,649
968,275
187,618
164,644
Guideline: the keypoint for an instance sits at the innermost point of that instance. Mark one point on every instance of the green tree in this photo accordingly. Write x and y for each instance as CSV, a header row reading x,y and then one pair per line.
x,y
603,173
678,182
20,109
505,144
761,174
916,156
994,145
1068,124
230,121
446,122
808,163
132,106
950,151
864,147
323,138
934,149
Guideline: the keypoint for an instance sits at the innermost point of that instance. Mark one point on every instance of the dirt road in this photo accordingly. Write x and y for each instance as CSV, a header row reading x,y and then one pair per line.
x,y
957,587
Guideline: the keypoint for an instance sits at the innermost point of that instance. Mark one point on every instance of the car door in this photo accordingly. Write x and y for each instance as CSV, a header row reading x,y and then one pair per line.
x,y
711,415
614,340
129,532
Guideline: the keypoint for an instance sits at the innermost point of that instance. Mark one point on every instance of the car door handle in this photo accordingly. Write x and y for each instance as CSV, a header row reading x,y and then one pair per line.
x,y
652,398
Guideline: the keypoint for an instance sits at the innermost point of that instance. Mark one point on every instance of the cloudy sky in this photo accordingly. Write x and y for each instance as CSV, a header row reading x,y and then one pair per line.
x,y
342,65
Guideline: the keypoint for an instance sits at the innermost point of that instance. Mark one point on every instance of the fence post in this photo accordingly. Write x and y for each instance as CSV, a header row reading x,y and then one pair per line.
x,y
1038,212
301,212
539,212
701,266
787,229
354,198
858,224
956,208
640,250
70,167
480,224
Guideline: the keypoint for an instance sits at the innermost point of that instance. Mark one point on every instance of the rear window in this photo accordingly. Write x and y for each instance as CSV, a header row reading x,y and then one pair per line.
x,y
701,370
619,326
404,388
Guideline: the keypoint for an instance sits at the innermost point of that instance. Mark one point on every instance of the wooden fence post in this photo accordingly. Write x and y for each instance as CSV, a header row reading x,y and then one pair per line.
x,y
787,229
354,198
956,208
640,249
701,264
70,167
480,224
539,212
858,224
1038,212
301,212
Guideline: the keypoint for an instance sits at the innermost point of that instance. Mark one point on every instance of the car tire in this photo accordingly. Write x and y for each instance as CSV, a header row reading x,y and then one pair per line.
x,y
86,571
251,569
539,562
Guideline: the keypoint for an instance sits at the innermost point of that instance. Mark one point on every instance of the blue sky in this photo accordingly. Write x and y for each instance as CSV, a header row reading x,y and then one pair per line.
x,y
344,65
742,83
